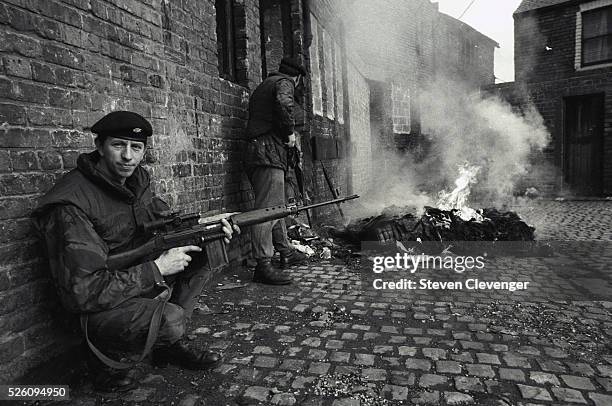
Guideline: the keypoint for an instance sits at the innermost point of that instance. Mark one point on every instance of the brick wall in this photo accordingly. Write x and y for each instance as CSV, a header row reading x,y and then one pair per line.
x,y
462,53
326,112
409,44
545,50
64,64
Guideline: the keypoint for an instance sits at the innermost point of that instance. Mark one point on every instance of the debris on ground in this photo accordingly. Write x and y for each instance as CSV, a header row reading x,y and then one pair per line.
x,y
231,285
437,225
338,314
351,385
562,328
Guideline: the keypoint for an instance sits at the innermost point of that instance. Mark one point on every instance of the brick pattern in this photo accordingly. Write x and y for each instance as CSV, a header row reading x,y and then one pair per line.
x,y
325,123
64,64
545,49
462,53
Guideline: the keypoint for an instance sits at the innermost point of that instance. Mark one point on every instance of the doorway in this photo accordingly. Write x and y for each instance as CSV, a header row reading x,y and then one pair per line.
x,y
583,144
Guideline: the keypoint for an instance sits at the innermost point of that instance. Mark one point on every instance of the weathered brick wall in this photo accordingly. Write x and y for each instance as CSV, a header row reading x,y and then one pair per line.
x,y
396,39
325,114
545,73
64,64
545,41
454,61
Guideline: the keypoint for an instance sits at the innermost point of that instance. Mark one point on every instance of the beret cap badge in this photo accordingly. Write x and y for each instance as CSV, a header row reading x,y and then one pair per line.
x,y
123,124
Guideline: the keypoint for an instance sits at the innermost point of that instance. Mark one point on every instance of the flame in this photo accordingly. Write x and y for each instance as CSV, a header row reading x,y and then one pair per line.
x,y
457,199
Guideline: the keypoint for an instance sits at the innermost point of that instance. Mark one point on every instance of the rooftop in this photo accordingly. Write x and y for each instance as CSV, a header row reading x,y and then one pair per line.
x,y
528,5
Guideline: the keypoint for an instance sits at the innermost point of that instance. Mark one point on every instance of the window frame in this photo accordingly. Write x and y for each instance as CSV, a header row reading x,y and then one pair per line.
x,y
584,40
226,39
578,57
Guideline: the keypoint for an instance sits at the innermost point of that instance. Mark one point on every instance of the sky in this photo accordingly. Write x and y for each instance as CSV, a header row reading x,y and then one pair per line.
x,y
494,19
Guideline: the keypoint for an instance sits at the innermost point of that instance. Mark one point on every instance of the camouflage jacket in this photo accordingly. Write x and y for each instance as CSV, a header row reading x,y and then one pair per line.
x,y
84,218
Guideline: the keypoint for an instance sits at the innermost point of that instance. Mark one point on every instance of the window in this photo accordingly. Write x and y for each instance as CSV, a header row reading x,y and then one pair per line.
x,y
328,72
467,54
400,99
339,82
315,71
597,36
226,39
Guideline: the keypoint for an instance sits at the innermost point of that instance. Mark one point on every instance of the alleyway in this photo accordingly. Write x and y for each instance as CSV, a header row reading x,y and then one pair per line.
x,y
327,340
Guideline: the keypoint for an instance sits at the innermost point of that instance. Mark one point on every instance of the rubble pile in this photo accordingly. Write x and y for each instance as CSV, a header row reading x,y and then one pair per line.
x,y
438,225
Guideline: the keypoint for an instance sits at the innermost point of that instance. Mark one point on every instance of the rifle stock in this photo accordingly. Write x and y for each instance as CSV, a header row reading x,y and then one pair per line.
x,y
201,234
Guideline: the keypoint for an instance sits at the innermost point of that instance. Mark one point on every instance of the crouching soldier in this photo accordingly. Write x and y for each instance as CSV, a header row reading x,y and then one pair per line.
x,y
95,211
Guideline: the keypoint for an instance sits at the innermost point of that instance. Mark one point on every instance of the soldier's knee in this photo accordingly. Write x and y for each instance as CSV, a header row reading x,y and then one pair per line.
x,y
173,323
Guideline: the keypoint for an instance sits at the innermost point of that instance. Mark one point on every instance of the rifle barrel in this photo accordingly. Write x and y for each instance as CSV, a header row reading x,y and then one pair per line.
x,y
315,205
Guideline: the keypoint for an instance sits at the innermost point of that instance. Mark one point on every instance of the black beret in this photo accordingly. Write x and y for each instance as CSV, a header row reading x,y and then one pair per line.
x,y
291,67
123,124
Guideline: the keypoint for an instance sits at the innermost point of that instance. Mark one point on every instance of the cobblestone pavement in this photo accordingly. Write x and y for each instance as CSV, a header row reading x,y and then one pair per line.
x,y
330,339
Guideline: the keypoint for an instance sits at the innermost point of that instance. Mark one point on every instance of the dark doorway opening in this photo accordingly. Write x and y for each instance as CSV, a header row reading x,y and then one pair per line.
x,y
583,144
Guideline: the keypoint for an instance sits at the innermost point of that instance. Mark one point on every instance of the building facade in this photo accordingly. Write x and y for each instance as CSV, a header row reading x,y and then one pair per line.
x,y
189,68
563,65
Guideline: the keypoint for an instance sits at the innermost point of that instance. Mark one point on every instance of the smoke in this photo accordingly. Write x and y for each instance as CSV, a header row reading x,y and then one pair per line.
x,y
460,128
483,131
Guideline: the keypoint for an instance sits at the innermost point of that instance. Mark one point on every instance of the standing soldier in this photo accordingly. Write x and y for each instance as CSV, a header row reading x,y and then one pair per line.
x,y
271,132
96,210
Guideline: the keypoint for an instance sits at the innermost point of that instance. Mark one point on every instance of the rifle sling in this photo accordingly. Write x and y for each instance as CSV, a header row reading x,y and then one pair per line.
x,y
154,326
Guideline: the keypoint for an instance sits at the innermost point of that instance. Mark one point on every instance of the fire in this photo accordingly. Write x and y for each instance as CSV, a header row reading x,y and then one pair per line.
x,y
457,199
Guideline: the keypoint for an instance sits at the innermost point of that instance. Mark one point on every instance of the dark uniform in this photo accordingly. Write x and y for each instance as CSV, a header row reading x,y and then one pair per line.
x,y
86,217
271,122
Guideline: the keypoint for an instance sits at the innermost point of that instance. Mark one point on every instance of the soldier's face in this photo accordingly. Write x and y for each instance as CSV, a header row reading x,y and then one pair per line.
x,y
120,157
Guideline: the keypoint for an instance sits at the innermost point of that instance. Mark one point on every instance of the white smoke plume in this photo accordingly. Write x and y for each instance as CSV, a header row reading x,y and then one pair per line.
x,y
483,131
461,128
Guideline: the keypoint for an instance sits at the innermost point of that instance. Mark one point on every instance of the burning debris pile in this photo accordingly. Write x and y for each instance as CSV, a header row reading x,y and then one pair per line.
x,y
438,225
452,220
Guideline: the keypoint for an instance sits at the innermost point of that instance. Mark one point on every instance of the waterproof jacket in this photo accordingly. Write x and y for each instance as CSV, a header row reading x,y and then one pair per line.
x,y
271,107
84,218
271,121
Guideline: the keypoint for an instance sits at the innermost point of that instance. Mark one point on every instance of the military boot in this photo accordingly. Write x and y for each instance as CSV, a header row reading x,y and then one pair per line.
x,y
292,257
181,355
107,379
265,273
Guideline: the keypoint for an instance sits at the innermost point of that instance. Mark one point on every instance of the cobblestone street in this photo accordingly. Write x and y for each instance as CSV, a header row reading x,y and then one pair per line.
x,y
328,339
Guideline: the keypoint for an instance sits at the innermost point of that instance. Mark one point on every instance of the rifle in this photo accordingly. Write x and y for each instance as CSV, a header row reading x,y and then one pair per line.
x,y
185,231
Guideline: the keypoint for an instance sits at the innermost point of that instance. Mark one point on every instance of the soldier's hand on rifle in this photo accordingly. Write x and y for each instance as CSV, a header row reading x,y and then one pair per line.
x,y
229,230
175,260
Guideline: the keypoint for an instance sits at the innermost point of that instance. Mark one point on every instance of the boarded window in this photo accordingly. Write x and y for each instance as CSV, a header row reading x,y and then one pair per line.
x,y
597,36
226,39
315,71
